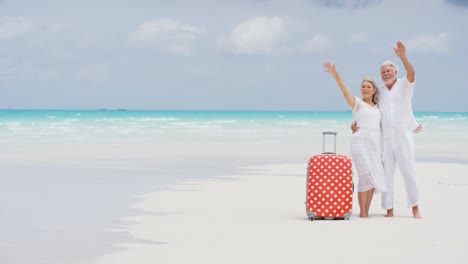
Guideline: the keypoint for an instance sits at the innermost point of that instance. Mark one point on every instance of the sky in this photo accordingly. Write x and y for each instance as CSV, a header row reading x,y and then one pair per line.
x,y
225,54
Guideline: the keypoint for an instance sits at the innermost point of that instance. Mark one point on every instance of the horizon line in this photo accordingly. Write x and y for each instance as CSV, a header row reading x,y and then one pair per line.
x,y
198,110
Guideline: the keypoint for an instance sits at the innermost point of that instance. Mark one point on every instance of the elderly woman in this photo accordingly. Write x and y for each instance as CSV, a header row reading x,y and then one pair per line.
x,y
365,144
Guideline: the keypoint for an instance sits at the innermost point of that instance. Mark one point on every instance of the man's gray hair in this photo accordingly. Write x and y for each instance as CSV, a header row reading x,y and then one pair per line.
x,y
392,64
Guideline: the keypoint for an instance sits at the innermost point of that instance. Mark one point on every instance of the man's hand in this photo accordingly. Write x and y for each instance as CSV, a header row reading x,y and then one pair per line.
x,y
400,50
418,129
354,127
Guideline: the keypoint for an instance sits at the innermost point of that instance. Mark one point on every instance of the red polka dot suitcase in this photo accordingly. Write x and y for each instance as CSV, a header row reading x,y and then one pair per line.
x,y
329,191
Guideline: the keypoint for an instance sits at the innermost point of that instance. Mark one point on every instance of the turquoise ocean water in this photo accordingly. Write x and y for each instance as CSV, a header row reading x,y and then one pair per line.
x,y
82,124
445,134
151,125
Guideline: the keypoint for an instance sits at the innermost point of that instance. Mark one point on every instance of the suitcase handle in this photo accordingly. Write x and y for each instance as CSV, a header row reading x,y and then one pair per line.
x,y
325,133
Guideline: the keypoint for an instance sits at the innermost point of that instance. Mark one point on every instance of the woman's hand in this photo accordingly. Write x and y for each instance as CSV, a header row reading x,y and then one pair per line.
x,y
418,129
330,68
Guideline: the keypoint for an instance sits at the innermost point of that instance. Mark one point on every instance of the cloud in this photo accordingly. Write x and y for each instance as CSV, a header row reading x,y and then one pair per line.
x,y
358,38
463,3
429,43
15,28
166,34
346,3
317,43
36,50
258,35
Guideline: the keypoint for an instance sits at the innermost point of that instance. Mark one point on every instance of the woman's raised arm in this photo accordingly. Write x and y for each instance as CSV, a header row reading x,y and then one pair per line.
x,y
330,68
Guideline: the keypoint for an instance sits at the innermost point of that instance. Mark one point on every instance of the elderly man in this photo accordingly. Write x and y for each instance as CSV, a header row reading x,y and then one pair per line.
x,y
398,125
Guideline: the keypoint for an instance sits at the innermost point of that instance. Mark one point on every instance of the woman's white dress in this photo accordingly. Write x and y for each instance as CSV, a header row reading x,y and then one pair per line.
x,y
366,147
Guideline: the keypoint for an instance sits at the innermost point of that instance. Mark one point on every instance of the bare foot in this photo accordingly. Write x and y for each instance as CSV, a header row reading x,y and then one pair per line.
x,y
416,214
389,213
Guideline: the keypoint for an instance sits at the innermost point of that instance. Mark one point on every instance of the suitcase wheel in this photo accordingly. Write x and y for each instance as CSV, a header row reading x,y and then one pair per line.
x,y
312,218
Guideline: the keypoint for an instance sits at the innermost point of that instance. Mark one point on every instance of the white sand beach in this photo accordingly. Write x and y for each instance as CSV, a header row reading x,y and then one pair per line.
x,y
161,188
259,217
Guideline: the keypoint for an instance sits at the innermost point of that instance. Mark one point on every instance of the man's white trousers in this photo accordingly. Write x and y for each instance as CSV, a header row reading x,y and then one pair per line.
x,y
399,150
